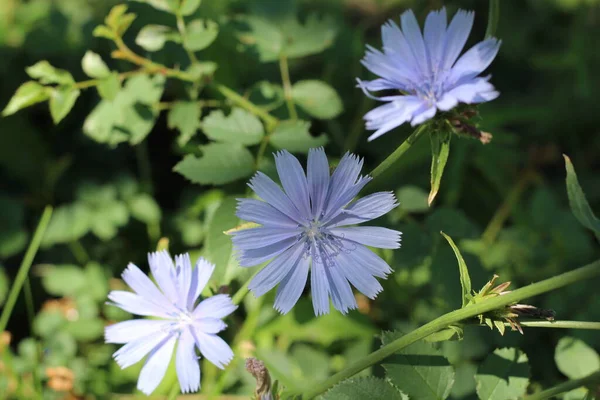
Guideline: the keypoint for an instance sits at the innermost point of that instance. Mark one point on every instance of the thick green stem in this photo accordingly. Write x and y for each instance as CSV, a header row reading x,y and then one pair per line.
x,y
587,272
565,387
392,158
24,268
241,101
493,18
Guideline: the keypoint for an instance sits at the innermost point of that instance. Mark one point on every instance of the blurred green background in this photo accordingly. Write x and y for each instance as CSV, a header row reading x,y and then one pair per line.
x,y
505,203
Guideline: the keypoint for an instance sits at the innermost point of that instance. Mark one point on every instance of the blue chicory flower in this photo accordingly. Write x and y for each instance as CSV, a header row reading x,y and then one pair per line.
x,y
425,69
305,226
178,321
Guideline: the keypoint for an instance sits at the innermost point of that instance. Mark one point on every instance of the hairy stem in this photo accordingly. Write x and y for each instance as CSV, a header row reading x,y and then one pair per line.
x,y
392,158
565,387
24,268
587,272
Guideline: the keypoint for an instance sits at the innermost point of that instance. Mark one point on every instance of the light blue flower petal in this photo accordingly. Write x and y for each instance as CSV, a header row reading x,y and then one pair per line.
x,y
293,180
475,91
200,277
456,37
339,288
412,33
263,213
373,236
217,306
184,279
343,178
136,304
434,34
252,238
144,287
163,271
209,325
421,116
156,366
132,330
368,208
389,116
475,60
370,261
270,192
186,363
396,48
134,351
319,286
252,257
400,75
213,348
358,276
291,287
276,270
346,197
318,179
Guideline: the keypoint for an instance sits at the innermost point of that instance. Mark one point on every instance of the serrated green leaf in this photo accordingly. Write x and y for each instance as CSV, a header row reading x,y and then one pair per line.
x,y
503,375
465,279
220,163
294,136
93,65
109,86
144,208
68,223
266,37
238,127
412,199
368,388
62,100
26,95
188,7
47,74
153,37
184,116
419,370
219,248
579,204
575,358
317,98
440,149
200,34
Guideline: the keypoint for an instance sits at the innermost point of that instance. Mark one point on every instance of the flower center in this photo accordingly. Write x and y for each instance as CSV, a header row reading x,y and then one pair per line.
x,y
313,230
182,321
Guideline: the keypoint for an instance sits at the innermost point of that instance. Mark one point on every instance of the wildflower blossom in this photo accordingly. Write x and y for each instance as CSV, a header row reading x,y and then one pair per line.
x,y
425,68
178,321
305,226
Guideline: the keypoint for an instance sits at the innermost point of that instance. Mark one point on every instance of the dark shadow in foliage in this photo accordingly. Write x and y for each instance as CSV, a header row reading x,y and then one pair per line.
x,y
503,368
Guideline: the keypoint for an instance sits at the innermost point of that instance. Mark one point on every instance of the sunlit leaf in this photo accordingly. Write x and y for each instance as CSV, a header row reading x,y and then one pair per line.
x,y
220,163
317,98
369,388
153,37
188,7
62,100
503,375
184,116
144,208
47,74
575,358
109,86
200,34
93,65
26,95
238,127
294,136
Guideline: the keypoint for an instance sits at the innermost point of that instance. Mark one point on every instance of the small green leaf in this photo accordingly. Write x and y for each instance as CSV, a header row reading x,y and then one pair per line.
x,y
68,223
47,74
440,148
412,199
503,375
294,136
114,15
125,23
220,163
26,95
103,31
420,370
465,279
144,208
575,358
219,248
202,69
266,37
188,7
153,37
93,65
64,280
163,5
368,388
62,100
85,330
316,35
184,116
579,204
317,98
200,34
238,127
109,86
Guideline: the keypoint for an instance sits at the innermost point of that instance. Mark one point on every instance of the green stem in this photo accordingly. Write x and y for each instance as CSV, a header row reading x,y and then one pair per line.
x,y
243,291
493,18
241,101
392,158
587,272
565,387
557,324
24,268
182,31
287,86
174,392
79,252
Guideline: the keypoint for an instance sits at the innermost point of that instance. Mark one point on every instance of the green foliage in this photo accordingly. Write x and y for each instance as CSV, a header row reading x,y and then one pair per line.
x,y
465,279
238,127
575,359
364,388
295,136
4,285
579,204
185,117
503,375
440,149
200,34
26,95
154,37
419,370
317,98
